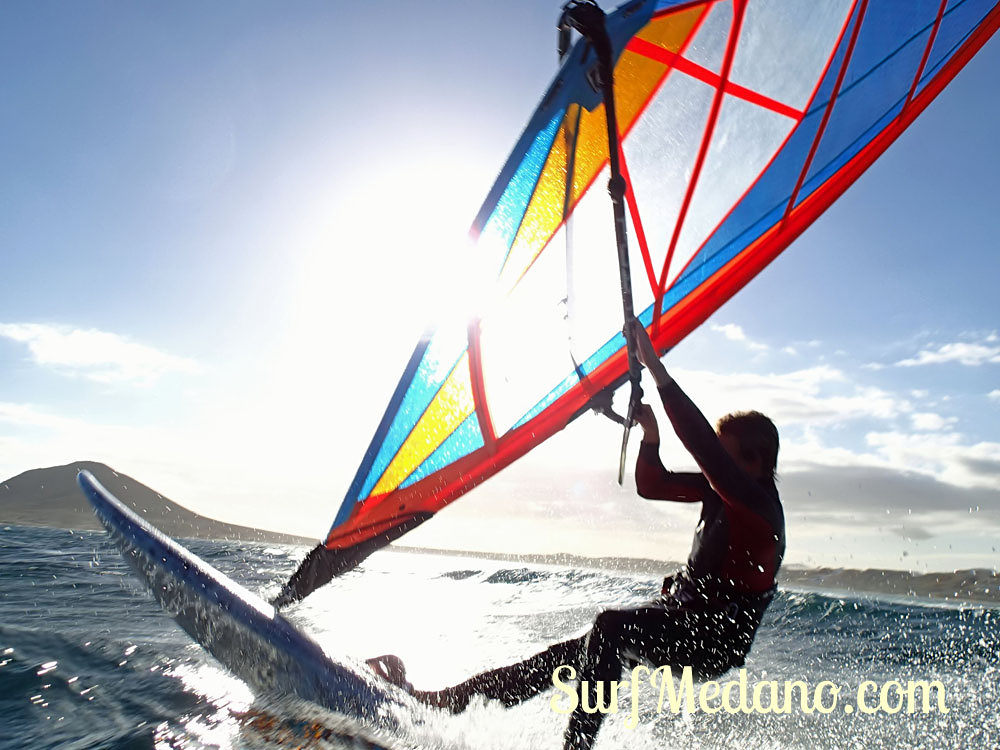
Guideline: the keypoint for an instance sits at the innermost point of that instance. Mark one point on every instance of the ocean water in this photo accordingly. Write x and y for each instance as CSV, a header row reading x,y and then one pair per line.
x,y
88,659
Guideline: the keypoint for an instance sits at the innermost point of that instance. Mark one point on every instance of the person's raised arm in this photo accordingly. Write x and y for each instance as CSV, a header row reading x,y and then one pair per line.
x,y
694,431
652,480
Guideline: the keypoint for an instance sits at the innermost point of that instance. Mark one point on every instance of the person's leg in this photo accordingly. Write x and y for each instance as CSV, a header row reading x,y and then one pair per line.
x,y
512,684
649,633
708,641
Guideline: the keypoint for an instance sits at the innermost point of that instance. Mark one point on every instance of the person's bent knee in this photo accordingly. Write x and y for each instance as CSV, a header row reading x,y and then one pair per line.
x,y
608,622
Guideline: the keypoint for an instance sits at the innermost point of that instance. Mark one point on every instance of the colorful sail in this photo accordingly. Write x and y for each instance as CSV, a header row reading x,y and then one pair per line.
x,y
740,121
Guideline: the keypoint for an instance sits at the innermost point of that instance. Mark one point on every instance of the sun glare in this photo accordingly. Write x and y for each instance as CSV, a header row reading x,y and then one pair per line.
x,y
393,251
382,261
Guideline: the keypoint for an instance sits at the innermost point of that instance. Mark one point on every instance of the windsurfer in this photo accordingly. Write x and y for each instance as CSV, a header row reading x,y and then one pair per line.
x,y
708,613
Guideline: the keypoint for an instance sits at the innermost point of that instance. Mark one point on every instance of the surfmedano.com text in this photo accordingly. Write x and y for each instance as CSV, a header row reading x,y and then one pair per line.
x,y
739,696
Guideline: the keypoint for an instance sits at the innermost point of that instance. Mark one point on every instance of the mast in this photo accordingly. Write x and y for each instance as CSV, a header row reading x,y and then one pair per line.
x,y
586,17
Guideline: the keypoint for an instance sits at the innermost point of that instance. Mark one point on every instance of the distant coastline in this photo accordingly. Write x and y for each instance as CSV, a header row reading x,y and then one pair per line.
x,y
50,498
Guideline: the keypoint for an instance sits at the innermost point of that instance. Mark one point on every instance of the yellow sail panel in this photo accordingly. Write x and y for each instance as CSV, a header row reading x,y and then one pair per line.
x,y
451,406
672,32
636,78
543,215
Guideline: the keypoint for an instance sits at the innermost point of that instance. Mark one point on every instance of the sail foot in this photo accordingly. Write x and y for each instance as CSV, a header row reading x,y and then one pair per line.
x,y
323,564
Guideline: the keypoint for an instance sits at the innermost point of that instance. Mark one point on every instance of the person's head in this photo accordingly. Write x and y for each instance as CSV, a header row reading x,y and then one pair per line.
x,y
752,440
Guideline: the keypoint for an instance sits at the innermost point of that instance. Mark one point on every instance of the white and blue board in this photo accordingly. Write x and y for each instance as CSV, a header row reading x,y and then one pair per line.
x,y
242,631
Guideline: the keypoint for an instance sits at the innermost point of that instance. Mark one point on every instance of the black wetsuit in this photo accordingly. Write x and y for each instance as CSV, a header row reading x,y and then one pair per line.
x,y
707,614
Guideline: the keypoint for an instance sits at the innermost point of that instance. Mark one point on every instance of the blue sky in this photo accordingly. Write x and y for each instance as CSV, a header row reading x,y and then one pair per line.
x,y
220,226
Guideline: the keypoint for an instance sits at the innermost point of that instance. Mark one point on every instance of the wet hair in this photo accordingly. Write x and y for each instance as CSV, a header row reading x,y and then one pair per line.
x,y
756,435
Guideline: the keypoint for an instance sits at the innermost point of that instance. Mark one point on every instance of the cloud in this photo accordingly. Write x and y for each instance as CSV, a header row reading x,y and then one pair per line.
x,y
911,531
832,420
928,421
986,467
965,353
734,332
942,455
24,415
821,395
33,437
95,355
995,395
874,494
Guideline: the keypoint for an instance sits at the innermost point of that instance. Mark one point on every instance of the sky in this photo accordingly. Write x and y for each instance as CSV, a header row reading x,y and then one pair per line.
x,y
223,227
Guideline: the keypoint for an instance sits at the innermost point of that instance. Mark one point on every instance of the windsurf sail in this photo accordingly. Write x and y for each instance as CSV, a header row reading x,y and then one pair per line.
x,y
739,122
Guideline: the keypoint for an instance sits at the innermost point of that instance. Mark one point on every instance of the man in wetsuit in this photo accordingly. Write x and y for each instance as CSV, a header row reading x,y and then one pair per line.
x,y
707,614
